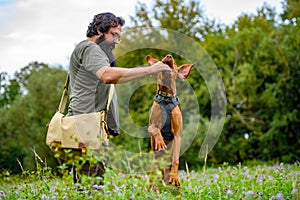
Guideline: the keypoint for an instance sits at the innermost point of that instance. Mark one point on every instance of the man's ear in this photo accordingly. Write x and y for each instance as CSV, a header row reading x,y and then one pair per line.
x,y
184,71
151,60
99,32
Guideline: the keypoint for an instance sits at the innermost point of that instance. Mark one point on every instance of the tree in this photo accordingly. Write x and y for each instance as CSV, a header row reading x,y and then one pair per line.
x,y
257,60
262,116
9,90
291,11
23,123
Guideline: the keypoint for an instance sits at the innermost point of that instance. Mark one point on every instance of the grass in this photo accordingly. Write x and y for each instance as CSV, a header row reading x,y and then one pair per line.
x,y
226,182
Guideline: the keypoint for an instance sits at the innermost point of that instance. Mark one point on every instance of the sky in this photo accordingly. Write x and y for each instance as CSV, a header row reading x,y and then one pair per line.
x,y
47,30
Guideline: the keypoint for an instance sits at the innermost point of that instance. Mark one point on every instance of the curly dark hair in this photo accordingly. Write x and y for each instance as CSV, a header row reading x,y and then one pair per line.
x,y
103,22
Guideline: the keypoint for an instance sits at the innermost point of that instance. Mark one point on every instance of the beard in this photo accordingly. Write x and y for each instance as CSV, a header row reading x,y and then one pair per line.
x,y
107,47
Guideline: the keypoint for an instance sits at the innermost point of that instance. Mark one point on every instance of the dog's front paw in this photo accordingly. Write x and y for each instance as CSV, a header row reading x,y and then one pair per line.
x,y
159,143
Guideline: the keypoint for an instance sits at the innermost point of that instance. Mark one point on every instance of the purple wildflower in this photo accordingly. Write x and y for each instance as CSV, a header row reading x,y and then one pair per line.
x,y
229,192
216,176
250,193
95,187
44,196
279,196
294,192
196,190
271,178
2,195
280,167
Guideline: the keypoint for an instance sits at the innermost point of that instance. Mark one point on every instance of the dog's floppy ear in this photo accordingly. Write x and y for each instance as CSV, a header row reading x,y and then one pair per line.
x,y
151,60
184,71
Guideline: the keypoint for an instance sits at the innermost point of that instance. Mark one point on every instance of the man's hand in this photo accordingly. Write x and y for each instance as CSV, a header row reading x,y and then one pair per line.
x,y
159,67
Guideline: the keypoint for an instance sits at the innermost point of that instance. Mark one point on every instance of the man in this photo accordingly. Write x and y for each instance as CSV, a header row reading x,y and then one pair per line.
x,y
93,68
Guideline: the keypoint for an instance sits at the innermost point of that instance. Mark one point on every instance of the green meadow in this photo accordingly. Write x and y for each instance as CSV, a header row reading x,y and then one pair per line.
x,y
280,181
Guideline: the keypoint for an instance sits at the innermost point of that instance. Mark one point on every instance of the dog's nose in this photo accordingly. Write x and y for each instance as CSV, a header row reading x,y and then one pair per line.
x,y
169,56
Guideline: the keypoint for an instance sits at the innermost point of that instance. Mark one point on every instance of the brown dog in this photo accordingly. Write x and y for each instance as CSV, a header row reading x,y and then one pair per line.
x,y
165,123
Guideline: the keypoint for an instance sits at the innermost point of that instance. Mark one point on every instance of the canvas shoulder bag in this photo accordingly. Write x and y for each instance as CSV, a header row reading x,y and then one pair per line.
x,y
84,131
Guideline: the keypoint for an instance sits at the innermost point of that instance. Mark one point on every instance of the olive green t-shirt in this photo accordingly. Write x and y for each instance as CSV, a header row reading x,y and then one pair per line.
x,y
87,92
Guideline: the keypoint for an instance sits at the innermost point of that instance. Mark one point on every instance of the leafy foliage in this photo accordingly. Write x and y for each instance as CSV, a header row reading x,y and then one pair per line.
x,y
257,57
23,121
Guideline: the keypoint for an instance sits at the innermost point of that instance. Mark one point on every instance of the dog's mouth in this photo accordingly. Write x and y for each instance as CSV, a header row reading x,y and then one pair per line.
x,y
168,60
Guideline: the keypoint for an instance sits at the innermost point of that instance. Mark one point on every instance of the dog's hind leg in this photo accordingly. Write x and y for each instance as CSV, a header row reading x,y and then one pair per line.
x,y
176,128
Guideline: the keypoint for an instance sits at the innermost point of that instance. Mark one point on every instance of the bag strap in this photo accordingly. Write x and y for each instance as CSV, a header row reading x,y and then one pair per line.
x,y
111,93
64,97
65,94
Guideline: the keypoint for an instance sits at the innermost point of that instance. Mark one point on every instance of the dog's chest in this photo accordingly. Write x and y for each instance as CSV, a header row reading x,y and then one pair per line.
x,y
166,104
167,82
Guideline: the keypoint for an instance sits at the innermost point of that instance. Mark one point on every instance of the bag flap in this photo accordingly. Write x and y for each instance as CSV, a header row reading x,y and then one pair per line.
x,y
83,128
54,130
